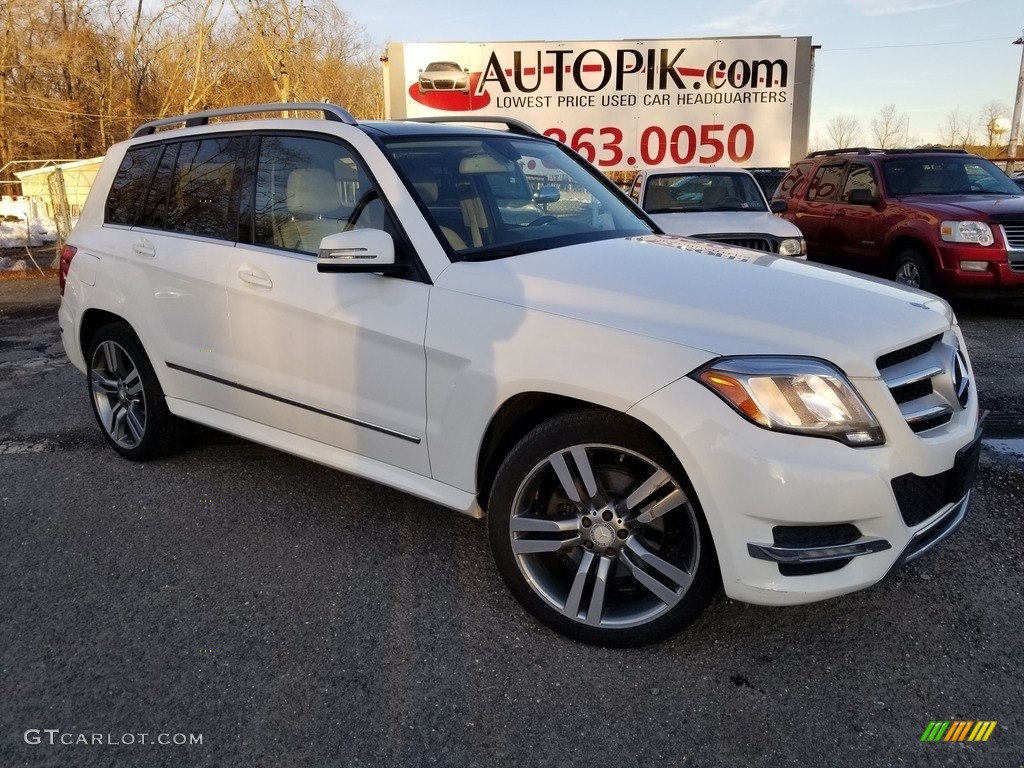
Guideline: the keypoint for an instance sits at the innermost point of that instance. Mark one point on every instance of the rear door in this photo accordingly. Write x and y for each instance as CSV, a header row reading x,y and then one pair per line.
x,y
181,197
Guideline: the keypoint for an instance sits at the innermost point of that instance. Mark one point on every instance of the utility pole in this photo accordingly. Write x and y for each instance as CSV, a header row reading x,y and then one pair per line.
x,y
1011,151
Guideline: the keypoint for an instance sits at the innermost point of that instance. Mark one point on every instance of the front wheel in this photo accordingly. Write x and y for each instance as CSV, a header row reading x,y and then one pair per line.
x,y
597,534
911,268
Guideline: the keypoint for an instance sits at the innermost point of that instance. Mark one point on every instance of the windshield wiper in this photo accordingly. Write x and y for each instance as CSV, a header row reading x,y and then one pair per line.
x,y
497,252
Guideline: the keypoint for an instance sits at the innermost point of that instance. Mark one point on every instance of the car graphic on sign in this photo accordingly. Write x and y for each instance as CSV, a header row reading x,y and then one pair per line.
x,y
444,76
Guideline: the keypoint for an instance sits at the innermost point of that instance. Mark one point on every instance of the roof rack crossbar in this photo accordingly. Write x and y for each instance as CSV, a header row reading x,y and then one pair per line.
x,y
513,125
329,112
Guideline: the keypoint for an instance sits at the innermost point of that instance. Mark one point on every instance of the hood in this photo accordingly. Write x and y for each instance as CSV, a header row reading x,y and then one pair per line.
x,y
725,301
995,207
702,224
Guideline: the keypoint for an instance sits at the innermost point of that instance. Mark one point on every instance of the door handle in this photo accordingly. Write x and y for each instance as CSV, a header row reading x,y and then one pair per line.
x,y
143,248
255,277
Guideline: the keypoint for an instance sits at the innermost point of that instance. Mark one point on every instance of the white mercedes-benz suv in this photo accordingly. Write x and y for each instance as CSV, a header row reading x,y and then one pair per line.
x,y
640,417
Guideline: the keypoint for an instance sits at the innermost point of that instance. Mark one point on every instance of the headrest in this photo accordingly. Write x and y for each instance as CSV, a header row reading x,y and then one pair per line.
x,y
312,191
424,182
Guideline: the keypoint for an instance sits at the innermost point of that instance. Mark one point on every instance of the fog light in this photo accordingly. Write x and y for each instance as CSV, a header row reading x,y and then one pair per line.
x,y
974,266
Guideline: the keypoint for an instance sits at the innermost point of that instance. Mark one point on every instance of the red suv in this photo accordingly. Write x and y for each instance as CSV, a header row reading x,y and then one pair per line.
x,y
941,220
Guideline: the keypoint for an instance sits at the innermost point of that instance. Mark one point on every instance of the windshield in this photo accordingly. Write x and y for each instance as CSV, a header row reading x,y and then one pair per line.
x,y
953,175
702,192
490,197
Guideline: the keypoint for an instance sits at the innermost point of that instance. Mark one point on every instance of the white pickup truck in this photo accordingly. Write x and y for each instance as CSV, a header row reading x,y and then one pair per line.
x,y
721,204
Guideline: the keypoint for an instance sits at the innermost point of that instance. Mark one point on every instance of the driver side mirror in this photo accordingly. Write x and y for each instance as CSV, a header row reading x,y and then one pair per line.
x,y
546,194
358,250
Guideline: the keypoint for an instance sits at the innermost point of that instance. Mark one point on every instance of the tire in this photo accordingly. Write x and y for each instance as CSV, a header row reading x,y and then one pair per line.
x,y
127,399
597,533
911,268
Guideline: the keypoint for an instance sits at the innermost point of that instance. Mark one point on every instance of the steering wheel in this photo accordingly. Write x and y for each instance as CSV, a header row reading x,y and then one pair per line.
x,y
542,220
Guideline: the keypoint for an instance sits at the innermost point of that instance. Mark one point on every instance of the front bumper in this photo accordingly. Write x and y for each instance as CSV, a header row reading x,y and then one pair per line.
x,y
797,519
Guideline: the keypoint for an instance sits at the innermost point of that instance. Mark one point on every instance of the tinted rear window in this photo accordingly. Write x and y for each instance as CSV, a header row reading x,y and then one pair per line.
x,y
132,183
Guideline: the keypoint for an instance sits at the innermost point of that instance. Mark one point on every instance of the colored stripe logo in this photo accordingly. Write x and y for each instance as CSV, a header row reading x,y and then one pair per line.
x,y
958,730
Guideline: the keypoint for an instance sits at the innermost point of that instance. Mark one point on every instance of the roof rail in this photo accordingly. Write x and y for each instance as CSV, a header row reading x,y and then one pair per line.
x,y
869,150
939,150
510,123
844,151
329,111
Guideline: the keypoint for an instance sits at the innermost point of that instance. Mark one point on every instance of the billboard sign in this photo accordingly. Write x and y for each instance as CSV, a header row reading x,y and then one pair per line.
x,y
623,105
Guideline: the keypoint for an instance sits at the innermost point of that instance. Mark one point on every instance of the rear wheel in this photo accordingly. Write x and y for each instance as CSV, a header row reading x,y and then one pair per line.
x,y
596,532
911,268
127,399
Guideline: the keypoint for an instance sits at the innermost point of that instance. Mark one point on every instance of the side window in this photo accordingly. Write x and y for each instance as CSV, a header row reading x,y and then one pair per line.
x,y
308,188
154,209
203,195
826,182
859,177
795,182
131,184
634,190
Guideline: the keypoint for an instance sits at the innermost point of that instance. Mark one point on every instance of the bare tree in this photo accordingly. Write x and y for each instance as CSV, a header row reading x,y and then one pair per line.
x,y
843,131
991,118
891,128
956,130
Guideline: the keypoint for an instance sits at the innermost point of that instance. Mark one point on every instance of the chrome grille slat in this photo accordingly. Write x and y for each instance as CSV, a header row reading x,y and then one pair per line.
x,y
912,378
754,243
925,414
1013,236
911,373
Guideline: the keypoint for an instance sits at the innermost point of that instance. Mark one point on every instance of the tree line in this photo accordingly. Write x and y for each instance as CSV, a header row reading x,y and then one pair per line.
x,y
985,134
78,75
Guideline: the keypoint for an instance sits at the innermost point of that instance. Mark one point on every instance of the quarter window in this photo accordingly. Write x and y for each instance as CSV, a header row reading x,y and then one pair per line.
x,y
131,184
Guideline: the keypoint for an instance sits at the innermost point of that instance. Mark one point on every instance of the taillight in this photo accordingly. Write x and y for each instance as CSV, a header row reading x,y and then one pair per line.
x,y
67,253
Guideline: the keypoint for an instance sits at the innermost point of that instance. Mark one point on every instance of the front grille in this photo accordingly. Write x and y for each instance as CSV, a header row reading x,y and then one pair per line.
x,y
1013,235
753,243
920,497
919,379
908,392
907,353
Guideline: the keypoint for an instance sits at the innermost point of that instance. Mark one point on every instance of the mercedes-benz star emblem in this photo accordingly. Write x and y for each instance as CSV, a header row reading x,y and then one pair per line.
x,y
961,379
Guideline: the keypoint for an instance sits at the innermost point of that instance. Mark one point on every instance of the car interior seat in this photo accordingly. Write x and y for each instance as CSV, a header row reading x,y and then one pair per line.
x,y
311,193
425,182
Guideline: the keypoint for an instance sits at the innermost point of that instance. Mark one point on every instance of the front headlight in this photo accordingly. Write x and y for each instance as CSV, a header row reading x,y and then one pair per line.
x,y
793,247
966,232
793,394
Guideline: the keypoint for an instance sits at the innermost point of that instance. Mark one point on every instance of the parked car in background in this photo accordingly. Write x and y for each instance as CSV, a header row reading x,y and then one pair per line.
x,y
941,220
640,417
725,205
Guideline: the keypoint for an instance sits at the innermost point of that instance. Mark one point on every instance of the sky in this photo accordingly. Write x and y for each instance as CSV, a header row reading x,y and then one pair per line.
x,y
926,57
